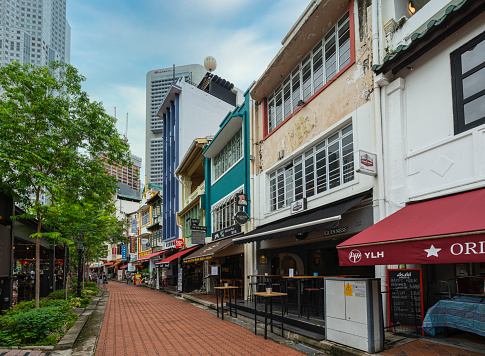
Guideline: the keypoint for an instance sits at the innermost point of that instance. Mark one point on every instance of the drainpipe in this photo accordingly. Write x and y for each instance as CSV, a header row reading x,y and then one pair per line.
x,y
380,271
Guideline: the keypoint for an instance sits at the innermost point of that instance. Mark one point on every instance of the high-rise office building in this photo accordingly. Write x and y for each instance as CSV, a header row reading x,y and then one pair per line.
x,y
34,31
128,177
158,82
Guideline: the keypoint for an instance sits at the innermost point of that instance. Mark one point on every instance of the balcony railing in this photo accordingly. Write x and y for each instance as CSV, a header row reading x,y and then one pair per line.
x,y
198,191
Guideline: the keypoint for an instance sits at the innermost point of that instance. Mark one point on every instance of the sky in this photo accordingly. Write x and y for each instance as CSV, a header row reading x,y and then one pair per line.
x,y
114,43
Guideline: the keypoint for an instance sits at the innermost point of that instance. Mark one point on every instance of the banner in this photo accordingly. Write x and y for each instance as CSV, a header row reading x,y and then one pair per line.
x,y
132,244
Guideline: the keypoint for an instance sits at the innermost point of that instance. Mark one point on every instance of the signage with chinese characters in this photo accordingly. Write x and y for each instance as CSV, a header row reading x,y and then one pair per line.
x,y
366,163
131,267
179,243
241,217
298,206
227,232
198,237
242,200
124,251
132,244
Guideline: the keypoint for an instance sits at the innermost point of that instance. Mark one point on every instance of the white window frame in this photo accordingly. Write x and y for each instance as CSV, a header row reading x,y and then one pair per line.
x,y
296,75
223,211
228,164
282,183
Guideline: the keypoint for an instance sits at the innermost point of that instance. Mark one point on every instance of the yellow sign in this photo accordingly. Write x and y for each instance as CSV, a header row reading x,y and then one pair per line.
x,y
348,290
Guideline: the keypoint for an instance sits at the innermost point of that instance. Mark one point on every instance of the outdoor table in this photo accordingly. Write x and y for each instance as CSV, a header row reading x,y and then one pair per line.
x,y
221,290
268,297
460,312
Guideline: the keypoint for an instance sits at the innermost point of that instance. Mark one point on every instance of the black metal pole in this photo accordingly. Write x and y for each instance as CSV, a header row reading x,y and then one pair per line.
x,y
79,272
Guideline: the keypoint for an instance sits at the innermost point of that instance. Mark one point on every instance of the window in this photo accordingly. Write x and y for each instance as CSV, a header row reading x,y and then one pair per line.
x,y
145,219
229,155
327,165
224,211
468,81
326,60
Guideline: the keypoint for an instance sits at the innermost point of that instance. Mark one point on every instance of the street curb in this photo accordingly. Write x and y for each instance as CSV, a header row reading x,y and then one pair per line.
x,y
69,339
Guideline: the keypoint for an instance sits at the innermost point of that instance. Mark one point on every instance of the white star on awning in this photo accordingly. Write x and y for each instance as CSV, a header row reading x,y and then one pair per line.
x,y
432,251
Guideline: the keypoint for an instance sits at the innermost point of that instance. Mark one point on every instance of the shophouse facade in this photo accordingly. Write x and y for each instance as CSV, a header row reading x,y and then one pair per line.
x,y
191,217
17,258
430,86
185,106
226,184
313,115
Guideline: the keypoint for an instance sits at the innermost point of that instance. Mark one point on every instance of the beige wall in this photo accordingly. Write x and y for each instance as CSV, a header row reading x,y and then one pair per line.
x,y
351,90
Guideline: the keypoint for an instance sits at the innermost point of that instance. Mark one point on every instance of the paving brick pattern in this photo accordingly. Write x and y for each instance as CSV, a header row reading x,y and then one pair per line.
x,y
426,348
4,352
145,322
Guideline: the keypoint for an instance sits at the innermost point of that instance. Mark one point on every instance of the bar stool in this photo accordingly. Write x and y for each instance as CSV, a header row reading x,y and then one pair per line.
x,y
292,295
312,298
252,289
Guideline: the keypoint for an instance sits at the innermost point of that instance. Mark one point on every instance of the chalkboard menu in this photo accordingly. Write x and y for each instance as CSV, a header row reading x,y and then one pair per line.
x,y
405,296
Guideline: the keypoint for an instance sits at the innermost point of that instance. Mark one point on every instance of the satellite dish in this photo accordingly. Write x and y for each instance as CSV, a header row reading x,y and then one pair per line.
x,y
210,63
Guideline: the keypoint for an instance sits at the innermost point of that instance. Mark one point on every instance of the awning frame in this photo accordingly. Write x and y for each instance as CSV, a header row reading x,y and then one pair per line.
x,y
311,223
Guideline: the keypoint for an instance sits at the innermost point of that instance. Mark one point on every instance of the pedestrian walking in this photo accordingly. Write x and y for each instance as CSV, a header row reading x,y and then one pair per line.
x,y
105,280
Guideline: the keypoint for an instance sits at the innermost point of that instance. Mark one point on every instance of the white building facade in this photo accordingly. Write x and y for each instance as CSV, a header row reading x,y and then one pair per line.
x,y
158,83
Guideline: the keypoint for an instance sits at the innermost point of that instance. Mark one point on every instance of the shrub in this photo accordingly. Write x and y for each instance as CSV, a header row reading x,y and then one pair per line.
x,y
75,302
33,325
90,292
91,286
58,294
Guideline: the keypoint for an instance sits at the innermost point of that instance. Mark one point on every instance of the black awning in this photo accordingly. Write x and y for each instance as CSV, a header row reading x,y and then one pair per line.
x,y
323,218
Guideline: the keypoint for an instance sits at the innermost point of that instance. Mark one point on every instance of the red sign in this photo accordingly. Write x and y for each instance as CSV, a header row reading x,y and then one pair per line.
x,y
458,249
179,243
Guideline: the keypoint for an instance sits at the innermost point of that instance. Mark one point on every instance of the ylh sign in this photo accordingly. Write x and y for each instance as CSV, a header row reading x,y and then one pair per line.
x,y
366,163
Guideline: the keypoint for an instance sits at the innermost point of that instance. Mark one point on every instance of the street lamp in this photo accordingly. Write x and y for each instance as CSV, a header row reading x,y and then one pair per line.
x,y
80,250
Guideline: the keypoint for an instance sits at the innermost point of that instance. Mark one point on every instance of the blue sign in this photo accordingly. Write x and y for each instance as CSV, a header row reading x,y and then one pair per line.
x,y
123,252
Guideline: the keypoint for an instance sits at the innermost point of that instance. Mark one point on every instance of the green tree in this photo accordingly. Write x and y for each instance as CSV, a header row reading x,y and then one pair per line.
x,y
49,133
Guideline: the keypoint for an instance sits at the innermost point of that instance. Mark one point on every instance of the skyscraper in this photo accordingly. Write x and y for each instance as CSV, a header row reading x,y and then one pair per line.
x,y
34,31
128,177
158,82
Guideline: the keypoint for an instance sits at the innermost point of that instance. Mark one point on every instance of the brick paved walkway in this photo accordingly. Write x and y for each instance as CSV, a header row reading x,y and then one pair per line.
x,y
145,322
4,352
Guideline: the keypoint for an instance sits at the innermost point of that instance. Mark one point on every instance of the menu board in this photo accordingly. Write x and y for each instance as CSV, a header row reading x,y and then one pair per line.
x,y
405,296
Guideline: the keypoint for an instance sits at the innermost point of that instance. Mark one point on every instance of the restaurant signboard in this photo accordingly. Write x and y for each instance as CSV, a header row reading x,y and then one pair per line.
x,y
227,232
462,249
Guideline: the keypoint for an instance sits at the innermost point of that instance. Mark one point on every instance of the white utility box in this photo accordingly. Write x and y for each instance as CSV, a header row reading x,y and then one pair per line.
x,y
353,313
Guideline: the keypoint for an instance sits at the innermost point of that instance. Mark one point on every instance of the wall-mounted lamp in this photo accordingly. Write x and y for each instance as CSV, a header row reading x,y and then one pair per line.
x,y
411,8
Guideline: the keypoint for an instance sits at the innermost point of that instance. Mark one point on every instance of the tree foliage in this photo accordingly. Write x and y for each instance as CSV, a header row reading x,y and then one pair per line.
x,y
50,135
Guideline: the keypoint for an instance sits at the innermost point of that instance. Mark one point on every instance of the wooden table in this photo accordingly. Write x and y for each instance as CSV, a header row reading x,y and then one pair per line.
x,y
268,297
222,289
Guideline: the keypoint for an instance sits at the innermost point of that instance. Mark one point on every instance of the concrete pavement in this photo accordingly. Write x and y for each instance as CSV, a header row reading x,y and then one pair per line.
x,y
145,322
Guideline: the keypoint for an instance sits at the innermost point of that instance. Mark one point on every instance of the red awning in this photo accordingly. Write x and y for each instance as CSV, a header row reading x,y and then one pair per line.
x,y
176,255
444,230
151,255
108,263
124,267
